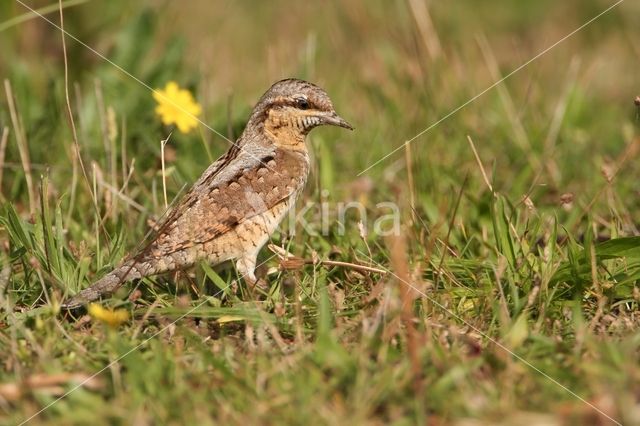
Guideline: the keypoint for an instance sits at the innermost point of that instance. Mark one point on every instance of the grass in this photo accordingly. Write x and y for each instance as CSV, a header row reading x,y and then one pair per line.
x,y
510,295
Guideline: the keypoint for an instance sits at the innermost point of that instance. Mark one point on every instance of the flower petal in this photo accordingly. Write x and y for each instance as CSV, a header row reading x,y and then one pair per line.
x,y
177,106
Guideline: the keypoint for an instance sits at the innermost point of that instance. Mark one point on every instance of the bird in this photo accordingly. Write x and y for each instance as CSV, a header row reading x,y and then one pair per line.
x,y
231,211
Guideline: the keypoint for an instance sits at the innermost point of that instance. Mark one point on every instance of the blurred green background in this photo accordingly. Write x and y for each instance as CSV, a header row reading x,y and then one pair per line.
x,y
374,60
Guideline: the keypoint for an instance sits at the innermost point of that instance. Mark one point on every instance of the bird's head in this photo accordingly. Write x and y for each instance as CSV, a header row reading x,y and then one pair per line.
x,y
292,107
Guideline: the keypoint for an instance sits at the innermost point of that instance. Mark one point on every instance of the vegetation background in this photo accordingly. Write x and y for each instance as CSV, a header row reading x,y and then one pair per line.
x,y
511,296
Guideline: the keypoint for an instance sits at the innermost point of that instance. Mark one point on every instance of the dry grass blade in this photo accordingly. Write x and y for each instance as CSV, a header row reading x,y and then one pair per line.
x,y
480,166
3,150
410,181
400,264
23,147
72,123
429,35
163,143
289,261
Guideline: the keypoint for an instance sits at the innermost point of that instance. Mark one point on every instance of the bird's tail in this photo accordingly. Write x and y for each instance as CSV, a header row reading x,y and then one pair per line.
x,y
105,285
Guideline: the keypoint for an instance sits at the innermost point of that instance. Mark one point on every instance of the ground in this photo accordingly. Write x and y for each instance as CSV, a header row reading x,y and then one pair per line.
x,y
502,136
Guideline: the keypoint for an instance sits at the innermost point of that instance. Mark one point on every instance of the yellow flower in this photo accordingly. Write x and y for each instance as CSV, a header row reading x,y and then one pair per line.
x,y
113,318
177,106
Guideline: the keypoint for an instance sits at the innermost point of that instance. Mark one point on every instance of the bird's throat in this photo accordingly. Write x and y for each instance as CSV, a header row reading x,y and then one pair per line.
x,y
285,131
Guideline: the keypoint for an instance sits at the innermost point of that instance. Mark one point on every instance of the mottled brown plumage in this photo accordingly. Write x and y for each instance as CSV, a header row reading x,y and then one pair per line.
x,y
232,209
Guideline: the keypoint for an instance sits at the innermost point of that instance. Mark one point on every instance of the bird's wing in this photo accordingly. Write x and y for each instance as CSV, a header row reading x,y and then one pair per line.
x,y
242,186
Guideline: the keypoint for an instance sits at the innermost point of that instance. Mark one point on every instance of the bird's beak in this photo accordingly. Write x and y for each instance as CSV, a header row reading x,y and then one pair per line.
x,y
335,120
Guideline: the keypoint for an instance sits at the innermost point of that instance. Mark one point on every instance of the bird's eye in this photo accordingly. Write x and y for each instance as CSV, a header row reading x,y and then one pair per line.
x,y
302,103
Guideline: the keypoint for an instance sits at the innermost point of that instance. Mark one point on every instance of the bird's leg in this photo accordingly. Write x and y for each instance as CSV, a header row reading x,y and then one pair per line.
x,y
246,267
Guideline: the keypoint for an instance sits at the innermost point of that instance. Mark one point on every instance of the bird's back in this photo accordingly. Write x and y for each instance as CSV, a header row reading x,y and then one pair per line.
x,y
249,187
